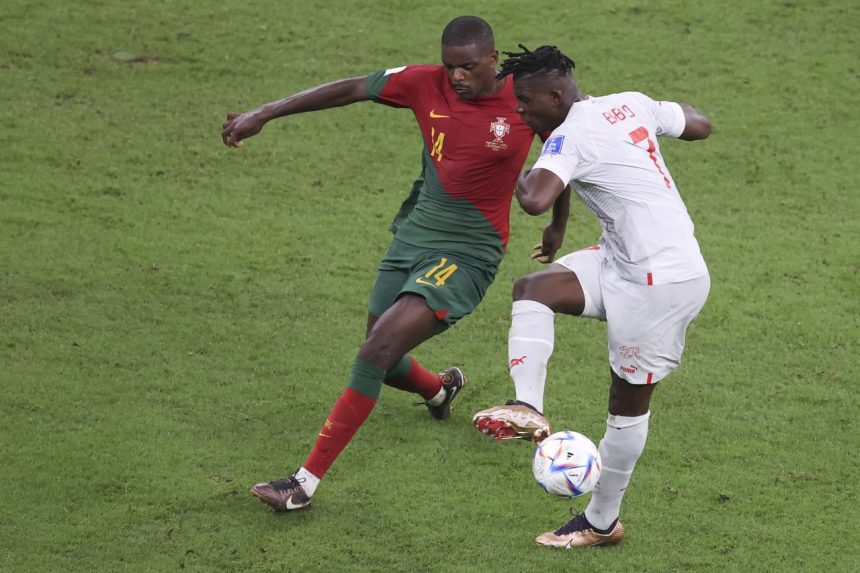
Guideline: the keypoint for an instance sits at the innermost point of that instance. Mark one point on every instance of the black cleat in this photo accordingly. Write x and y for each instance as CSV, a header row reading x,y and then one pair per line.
x,y
282,495
452,381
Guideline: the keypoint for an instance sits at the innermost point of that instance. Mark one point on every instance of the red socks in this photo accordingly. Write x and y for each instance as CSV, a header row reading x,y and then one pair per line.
x,y
349,413
410,376
357,401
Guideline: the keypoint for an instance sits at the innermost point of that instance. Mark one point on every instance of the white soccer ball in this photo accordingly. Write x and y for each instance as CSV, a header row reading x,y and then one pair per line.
x,y
566,464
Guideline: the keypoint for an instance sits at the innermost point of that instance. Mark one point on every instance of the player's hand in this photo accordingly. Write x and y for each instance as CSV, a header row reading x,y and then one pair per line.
x,y
545,251
240,126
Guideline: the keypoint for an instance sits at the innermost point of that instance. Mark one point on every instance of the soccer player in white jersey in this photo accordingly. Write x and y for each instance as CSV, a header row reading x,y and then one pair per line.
x,y
647,278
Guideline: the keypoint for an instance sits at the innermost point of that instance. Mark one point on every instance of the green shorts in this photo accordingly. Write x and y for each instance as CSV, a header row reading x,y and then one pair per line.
x,y
452,284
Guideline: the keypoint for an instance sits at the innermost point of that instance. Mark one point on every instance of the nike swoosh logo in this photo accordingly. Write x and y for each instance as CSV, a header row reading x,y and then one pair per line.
x,y
323,435
434,115
423,282
290,505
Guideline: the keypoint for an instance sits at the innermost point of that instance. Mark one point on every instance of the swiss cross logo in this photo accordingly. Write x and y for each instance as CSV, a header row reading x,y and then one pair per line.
x,y
639,134
629,352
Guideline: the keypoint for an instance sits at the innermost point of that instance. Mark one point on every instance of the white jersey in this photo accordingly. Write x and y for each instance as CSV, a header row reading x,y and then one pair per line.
x,y
607,150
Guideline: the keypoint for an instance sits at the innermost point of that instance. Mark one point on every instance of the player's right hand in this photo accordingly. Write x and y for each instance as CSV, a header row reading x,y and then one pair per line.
x,y
542,254
240,126
545,251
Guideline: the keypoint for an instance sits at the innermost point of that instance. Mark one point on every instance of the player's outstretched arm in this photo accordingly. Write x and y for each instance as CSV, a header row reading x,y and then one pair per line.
x,y
240,126
697,127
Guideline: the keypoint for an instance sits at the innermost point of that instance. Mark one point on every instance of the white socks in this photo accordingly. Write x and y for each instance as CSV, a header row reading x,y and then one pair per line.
x,y
439,397
619,449
530,344
308,480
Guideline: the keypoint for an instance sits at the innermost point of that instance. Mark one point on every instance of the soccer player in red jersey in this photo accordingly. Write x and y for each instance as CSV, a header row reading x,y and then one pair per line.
x,y
449,236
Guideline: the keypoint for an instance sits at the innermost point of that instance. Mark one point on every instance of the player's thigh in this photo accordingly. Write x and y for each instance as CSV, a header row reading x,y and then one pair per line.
x,y
405,325
556,287
647,325
394,270
451,284
385,291
587,265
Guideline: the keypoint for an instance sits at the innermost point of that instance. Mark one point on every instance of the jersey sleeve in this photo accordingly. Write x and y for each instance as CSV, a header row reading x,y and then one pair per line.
x,y
562,156
670,118
397,87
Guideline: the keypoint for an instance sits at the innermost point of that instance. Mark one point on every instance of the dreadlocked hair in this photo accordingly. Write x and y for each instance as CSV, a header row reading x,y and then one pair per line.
x,y
543,59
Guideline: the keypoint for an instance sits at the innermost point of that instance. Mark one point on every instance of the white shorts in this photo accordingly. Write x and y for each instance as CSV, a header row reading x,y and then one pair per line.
x,y
646,325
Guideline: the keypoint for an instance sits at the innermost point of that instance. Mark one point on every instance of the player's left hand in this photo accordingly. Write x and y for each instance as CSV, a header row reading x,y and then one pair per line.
x,y
545,251
240,126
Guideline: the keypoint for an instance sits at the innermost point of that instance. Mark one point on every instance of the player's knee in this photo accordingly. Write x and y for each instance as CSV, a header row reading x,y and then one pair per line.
x,y
626,399
378,349
526,288
534,287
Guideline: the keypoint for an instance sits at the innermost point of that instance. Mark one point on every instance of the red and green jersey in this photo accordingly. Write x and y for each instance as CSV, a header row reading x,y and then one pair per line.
x,y
473,154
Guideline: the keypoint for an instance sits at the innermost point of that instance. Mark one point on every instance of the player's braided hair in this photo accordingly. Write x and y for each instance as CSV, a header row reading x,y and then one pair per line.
x,y
545,58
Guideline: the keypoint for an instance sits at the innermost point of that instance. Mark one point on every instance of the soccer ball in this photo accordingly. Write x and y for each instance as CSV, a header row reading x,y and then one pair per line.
x,y
566,464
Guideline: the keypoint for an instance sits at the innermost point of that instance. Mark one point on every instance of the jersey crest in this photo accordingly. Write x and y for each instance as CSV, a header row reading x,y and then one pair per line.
x,y
499,128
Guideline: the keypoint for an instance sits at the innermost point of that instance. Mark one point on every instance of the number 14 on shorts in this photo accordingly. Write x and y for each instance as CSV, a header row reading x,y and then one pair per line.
x,y
440,273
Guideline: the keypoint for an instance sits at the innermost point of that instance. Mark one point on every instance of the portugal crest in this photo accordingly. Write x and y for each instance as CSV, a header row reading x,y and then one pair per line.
x,y
499,128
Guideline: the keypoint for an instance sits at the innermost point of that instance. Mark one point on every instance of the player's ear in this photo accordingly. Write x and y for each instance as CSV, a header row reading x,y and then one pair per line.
x,y
556,97
494,57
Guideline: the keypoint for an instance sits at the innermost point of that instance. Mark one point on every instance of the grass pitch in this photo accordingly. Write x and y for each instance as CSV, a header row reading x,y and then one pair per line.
x,y
177,318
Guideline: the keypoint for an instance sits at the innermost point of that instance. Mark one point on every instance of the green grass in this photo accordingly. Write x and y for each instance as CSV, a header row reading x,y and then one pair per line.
x,y
177,318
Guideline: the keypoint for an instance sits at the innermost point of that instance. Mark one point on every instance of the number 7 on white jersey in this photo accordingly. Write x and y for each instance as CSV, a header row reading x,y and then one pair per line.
x,y
641,134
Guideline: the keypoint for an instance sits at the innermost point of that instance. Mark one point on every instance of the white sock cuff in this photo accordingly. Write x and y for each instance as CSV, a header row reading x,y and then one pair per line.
x,y
439,397
523,306
532,340
621,422
308,480
606,468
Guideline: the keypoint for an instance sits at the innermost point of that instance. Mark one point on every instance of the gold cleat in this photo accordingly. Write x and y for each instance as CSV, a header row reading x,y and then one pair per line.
x,y
514,420
579,533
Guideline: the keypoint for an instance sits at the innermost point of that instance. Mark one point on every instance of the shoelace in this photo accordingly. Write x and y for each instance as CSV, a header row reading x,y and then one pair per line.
x,y
521,403
578,523
291,482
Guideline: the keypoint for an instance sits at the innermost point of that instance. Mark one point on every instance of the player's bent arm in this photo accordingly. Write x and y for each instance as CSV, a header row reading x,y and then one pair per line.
x,y
697,125
241,126
538,190
561,209
553,233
